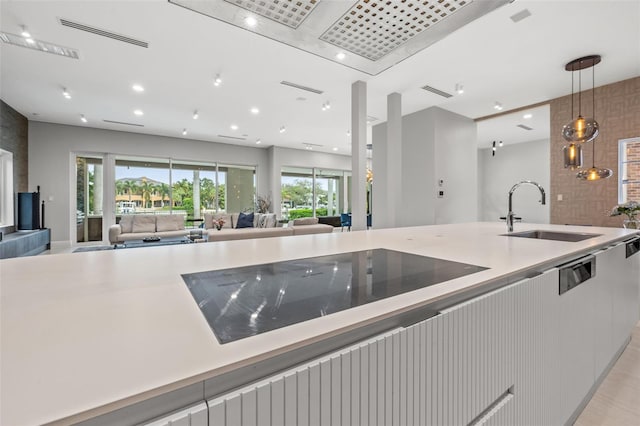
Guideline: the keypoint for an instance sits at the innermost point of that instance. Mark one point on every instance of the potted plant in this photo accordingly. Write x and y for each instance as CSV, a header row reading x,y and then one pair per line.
x,y
631,210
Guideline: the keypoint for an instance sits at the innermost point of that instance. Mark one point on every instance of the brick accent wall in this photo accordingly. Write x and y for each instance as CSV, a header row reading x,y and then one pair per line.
x,y
618,113
14,138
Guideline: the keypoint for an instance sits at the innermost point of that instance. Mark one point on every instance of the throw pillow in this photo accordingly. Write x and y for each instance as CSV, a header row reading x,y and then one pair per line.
x,y
305,221
173,222
245,220
270,221
144,223
126,224
262,220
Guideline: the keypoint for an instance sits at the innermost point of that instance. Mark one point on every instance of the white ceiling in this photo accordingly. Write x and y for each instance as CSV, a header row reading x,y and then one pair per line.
x,y
516,64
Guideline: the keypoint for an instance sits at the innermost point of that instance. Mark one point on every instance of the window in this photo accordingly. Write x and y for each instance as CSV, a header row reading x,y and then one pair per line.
x,y
629,170
310,192
6,188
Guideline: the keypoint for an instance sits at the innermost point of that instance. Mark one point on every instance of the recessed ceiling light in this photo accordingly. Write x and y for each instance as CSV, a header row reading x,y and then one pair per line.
x,y
459,89
137,88
258,141
83,118
348,132
335,148
326,106
498,106
234,127
340,56
30,40
527,116
138,112
184,132
25,33
250,21
217,80
66,94
255,110
500,144
195,115
283,129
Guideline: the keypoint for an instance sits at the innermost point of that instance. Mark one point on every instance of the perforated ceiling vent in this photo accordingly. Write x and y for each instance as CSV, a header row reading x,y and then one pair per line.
x,y
373,28
288,12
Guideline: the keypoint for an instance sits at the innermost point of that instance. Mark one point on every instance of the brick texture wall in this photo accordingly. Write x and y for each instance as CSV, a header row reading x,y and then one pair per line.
x,y
618,113
14,138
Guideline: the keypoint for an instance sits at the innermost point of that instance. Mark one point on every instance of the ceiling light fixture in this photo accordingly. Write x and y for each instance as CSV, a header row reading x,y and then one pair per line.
x,y
258,141
581,129
184,132
83,118
25,33
255,110
459,89
195,115
341,56
138,112
335,148
234,127
66,94
527,116
250,21
137,88
348,132
498,106
326,106
217,80
493,149
283,129
30,40
500,144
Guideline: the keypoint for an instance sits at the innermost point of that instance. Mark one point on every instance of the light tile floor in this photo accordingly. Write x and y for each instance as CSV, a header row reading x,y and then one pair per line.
x,y
617,400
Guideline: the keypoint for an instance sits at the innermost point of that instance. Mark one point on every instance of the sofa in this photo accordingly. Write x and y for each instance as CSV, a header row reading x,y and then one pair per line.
x,y
139,226
260,226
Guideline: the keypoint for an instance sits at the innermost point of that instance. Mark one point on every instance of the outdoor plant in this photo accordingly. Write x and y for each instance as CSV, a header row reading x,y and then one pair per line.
x,y
630,209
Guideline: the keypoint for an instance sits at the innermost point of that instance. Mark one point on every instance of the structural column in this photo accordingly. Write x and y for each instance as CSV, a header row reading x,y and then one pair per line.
x,y
358,155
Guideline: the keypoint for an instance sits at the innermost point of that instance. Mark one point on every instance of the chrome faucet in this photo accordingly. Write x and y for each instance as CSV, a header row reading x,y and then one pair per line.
x,y
510,215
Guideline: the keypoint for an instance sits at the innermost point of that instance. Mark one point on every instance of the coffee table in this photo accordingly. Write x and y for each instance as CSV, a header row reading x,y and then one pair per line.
x,y
162,242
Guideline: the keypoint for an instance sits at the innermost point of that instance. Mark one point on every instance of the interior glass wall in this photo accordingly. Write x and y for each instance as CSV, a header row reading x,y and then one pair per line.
x,y
308,192
89,199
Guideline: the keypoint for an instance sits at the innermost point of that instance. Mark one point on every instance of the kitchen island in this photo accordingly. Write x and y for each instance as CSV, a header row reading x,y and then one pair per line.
x,y
117,333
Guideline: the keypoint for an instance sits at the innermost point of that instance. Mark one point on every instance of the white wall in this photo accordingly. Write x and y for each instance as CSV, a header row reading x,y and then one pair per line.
x,y
436,144
51,162
512,164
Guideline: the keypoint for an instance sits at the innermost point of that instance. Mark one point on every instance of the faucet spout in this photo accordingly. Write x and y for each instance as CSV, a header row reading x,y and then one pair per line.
x,y
511,215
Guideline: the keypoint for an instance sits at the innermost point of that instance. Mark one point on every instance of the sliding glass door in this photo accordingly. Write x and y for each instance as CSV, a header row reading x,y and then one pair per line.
x,y
89,198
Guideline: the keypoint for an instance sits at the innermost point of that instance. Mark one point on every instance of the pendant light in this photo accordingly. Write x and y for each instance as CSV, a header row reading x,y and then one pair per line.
x,y
581,129
572,156
594,173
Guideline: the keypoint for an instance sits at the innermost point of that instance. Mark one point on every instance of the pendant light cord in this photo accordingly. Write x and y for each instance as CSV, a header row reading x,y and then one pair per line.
x,y
572,84
579,93
593,88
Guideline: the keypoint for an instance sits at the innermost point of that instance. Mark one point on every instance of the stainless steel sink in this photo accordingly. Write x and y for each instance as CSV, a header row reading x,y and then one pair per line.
x,y
553,235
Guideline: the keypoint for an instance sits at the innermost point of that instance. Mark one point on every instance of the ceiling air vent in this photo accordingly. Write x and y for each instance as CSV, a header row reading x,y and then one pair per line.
x,y
522,126
103,33
123,123
437,92
232,137
299,86
520,15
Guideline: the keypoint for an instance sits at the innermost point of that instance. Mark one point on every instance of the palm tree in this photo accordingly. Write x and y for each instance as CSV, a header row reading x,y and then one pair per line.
x,y
146,188
163,190
130,187
120,187
183,189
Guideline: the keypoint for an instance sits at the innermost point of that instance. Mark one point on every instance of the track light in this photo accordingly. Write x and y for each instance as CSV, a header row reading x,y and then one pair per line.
x,y
217,80
195,115
326,106
66,94
25,33
258,141
498,106
83,118
184,132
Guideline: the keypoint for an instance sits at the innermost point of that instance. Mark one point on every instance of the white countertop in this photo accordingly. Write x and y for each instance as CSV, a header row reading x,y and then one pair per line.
x,y
87,333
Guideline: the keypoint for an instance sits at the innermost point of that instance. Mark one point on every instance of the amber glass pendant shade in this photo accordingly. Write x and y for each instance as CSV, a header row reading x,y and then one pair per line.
x,y
572,156
580,130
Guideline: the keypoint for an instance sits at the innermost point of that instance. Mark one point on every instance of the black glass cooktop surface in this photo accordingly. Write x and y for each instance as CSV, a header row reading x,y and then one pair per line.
x,y
245,301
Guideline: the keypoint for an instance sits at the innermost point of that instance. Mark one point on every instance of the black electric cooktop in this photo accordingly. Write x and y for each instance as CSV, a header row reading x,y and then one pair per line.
x,y
243,302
